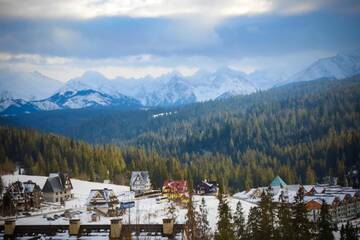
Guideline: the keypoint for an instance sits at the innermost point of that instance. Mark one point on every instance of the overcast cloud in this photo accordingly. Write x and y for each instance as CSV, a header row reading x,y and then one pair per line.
x,y
140,37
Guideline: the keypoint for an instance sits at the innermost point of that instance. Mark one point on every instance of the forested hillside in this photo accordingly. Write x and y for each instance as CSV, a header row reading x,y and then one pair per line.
x,y
41,154
301,131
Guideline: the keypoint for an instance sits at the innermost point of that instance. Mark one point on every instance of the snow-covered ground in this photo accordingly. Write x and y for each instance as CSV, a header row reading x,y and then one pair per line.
x,y
146,211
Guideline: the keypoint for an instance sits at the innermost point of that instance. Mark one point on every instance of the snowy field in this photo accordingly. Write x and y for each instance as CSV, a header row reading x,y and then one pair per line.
x,y
146,211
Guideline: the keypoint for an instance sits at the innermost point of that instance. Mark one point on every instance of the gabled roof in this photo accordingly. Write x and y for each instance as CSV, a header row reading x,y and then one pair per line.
x,y
53,184
23,187
105,194
278,182
143,175
57,182
177,186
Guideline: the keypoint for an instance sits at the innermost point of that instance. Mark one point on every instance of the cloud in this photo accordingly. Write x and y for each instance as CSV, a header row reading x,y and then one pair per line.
x,y
139,37
33,59
85,9
132,8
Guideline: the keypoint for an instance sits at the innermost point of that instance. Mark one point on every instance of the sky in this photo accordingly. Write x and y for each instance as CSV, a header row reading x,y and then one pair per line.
x,y
134,38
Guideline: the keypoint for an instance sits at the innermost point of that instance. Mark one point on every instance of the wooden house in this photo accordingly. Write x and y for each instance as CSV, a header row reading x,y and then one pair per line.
x,y
207,188
140,182
176,190
57,188
104,201
25,195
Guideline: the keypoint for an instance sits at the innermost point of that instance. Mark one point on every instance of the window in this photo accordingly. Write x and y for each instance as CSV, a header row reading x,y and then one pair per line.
x,y
56,199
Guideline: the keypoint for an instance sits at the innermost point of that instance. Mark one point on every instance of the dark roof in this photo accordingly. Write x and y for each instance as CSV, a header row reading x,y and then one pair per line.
x,y
144,175
53,184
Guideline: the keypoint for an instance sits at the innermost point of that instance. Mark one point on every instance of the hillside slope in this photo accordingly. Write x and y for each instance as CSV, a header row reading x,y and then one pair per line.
x,y
302,131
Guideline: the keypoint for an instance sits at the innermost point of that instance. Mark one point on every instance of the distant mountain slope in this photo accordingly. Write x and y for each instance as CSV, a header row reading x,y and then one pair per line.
x,y
119,126
338,67
71,100
27,85
302,131
171,89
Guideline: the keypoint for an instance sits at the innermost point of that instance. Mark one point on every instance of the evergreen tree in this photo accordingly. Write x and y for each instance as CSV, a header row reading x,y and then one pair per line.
x,y
301,224
285,227
225,230
192,224
342,232
239,222
324,223
252,226
267,215
350,232
29,164
1,185
204,222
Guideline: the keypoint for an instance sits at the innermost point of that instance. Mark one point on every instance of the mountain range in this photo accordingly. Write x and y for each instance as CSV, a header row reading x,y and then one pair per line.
x,y
31,92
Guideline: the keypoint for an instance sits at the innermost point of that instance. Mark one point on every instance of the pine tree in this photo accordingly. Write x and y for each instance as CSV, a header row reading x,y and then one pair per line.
x,y
342,232
252,231
29,164
350,232
285,228
204,222
324,224
1,185
267,215
225,230
192,225
239,222
301,224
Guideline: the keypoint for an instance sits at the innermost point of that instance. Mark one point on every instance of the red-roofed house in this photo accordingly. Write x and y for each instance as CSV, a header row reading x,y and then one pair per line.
x,y
176,190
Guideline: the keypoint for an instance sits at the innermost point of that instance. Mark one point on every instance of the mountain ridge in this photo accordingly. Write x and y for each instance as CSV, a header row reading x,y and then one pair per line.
x,y
174,89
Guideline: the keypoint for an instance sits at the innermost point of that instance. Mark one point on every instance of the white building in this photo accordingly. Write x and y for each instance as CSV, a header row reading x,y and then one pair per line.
x,y
140,182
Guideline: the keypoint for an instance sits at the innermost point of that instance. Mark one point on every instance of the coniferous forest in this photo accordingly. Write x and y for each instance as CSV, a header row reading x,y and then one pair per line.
x,y
302,131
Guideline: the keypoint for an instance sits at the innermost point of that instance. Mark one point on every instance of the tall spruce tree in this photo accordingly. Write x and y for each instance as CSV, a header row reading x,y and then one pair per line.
x,y
252,231
204,228
301,225
324,223
267,215
225,229
342,232
350,232
285,226
1,185
239,222
192,226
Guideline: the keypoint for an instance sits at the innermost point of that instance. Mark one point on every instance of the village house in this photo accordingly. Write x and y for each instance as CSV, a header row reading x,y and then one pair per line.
x,y
176,190
24,196
57,188
140,182
343,202
207,188
103,201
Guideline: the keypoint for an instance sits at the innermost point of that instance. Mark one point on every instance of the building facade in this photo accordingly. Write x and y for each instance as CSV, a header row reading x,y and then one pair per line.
x,y
104,201
24,196
140,182
343,202
176,190
57,188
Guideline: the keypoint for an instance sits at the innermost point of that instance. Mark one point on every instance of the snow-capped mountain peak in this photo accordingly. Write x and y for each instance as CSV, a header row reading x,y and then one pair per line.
x,y
339,66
